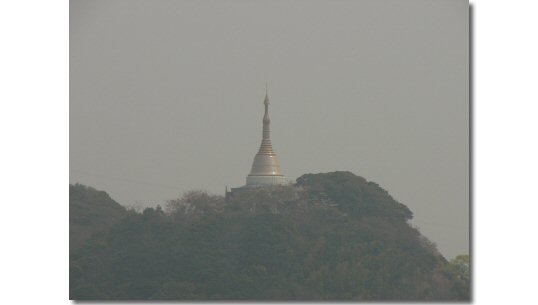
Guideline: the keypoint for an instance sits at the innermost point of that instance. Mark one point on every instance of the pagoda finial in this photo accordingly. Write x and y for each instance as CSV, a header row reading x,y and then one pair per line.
x,y
266,101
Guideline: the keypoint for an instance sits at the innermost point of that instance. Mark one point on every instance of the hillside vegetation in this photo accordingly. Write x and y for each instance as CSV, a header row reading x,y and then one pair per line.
x,y
332,236
90,211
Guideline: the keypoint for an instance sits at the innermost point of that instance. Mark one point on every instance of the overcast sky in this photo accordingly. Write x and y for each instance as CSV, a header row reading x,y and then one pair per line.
x,y
167,96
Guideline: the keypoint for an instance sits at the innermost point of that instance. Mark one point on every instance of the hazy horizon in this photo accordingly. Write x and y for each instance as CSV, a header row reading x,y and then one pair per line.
x,y
166,96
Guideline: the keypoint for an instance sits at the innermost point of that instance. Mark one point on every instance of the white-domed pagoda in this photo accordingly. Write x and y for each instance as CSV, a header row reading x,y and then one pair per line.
x,y
265,167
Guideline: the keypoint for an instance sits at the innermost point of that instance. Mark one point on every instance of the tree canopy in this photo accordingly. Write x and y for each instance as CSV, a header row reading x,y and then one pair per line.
x,y
332,236
90,211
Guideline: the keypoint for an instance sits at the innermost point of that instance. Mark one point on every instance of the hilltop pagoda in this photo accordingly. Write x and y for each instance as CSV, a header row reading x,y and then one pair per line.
x,y
265,169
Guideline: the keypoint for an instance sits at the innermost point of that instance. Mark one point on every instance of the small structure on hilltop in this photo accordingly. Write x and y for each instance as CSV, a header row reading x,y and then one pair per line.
x,y
265,168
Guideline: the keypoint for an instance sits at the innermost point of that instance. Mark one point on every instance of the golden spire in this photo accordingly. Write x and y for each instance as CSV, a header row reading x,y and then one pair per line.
x,y
265,168
266,147
266,98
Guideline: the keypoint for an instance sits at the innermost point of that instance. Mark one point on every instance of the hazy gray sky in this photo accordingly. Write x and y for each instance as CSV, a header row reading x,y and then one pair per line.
x,y
166,96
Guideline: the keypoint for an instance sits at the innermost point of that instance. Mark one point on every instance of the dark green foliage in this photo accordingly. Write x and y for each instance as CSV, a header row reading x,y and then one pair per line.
x,y
460,271
90,211
354,194
304,242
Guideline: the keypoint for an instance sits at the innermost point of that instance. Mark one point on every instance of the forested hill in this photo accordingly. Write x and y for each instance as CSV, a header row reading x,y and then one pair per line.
x,y
90,211
332,236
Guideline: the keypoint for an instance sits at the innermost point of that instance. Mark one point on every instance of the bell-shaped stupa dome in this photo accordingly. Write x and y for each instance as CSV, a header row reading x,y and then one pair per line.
x,y
265,168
